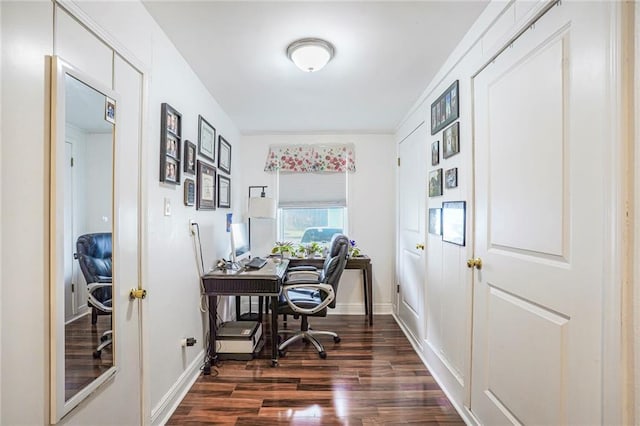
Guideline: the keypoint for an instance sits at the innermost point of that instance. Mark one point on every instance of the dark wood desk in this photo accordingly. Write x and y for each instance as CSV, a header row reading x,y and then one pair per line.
x,y
264,282
361,262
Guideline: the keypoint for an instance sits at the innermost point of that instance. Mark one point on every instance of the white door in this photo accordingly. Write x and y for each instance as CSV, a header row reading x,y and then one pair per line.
x,y
412,193
540,137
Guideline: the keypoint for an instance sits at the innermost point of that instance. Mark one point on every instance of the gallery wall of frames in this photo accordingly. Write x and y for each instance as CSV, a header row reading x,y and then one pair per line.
x,y
207,183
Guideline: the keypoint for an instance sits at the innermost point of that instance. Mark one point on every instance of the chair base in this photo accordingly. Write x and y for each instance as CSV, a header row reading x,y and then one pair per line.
x,y
308,335
106,340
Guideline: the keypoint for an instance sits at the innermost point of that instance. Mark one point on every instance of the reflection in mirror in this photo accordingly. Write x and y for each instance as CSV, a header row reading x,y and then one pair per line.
x,y
82,229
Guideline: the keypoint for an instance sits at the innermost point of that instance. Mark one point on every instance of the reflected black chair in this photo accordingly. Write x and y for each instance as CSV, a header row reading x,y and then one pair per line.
x,y
308,291
94,252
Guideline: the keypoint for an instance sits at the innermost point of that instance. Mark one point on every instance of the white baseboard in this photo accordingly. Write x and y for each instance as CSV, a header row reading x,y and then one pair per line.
x,y
463,411
161,413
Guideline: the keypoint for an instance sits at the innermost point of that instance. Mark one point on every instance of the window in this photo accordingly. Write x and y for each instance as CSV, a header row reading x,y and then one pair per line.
x,y
311,206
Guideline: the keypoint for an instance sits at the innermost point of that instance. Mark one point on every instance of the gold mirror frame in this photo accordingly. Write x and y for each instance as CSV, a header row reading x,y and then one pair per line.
x,y
60,405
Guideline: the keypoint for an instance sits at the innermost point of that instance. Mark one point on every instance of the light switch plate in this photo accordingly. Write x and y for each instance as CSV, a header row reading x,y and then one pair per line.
x,y
167,206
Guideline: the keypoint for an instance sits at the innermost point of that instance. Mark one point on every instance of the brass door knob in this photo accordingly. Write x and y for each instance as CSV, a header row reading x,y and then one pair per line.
x,y
474,263
137,294
419,246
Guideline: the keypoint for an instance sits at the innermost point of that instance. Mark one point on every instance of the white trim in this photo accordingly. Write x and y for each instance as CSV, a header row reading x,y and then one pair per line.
x,y
615,395
466,414
161,413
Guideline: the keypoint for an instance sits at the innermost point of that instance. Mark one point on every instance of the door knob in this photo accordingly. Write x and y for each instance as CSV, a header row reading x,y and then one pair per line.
x,y
419,246
137,294
474,263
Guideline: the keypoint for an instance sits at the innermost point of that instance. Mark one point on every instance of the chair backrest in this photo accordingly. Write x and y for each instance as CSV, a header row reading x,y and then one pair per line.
x,y
94,255
335,262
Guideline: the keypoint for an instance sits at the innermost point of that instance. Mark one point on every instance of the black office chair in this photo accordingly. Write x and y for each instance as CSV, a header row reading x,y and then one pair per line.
x,y
308,291
94,253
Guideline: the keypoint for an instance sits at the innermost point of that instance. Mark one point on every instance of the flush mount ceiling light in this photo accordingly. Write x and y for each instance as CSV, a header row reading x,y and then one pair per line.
x,y
310,54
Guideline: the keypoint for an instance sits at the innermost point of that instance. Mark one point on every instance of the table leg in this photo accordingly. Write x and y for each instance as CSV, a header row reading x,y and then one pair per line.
x,y
213,328
274,331
369,280
365,290
238,308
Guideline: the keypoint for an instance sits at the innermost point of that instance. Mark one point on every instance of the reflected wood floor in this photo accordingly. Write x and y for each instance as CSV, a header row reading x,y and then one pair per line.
x,y
81,340
372,377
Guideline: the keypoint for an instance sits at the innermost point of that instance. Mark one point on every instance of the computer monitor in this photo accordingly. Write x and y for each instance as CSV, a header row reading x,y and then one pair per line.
x,y
239,242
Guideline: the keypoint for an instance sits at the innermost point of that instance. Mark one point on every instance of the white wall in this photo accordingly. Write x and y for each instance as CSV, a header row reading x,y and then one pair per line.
x,y
170,266
371,208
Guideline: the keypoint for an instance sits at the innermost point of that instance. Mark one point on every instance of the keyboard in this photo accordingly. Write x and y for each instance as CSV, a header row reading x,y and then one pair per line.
x,y
256,263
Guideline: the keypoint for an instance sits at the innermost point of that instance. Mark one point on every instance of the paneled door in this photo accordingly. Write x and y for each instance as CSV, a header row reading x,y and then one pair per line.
x,y
412,193
540,120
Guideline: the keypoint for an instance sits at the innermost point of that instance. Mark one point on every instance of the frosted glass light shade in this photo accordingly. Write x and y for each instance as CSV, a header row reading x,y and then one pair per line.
x,y
310,54
262,208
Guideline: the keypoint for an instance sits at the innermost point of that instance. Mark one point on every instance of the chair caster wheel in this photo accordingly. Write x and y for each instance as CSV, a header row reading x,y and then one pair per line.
x,y
336,339
103,338
274,363
97,354
323,354
282,354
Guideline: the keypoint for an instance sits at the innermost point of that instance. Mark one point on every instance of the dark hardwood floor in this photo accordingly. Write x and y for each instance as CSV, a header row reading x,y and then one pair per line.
x,y
372,377
81,340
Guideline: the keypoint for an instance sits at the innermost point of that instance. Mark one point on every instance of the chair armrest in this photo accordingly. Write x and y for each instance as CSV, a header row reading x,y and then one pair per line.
x,y
303,275
324,288
302,268
103,279
95,302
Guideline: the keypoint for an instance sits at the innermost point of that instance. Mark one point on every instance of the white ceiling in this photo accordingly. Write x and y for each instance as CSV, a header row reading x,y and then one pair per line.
x,y
386,54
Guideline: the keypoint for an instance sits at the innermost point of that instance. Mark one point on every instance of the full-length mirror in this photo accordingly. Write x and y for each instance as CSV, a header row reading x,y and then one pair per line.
x,y
82,147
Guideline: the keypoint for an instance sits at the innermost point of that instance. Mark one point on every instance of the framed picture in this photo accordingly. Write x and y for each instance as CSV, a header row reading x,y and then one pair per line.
x,y
454,222
170,127
170,170
189,158
435,183
435,221
206,139
110,110
224,155
451,178
206,187
450,140
189,192
435,153
224,192
445,109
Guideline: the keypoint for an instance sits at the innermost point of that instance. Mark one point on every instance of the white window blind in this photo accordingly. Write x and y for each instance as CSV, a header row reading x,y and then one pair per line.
x,y
312,190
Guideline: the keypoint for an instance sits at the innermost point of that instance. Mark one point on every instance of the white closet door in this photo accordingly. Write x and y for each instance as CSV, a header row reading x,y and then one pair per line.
x,y
540,117
412,194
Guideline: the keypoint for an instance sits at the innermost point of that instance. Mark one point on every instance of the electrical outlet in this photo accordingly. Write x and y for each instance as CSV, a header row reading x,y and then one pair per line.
x,y
192,226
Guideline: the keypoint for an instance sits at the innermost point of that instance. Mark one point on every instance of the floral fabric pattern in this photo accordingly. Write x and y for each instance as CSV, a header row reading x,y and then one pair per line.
x,y
311,158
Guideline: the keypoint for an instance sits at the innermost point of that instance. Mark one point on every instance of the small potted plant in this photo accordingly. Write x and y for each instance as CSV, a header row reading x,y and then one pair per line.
x,y
354,250
283,248
314,249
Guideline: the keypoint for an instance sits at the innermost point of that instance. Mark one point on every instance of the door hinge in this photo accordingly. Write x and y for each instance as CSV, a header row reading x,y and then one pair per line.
x,y
71,161
73,288
398,288
398,161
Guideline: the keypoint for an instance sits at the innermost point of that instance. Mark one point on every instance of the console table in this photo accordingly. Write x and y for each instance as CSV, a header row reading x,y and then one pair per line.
x,y
360,262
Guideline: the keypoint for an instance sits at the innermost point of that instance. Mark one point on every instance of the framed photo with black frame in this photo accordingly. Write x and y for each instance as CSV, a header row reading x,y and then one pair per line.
x,y
206,139
451,140
435,153
446,109
454,220
189,157
206,187
451,178
224,155
189,192
170,127
435,183
224,192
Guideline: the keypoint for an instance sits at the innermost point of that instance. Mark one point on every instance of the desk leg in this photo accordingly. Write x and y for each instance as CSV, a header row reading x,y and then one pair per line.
x,y
365,290
274,331
213,313
368,277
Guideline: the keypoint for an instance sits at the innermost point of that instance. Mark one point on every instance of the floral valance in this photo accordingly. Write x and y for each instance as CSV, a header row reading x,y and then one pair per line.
x,y
311,158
